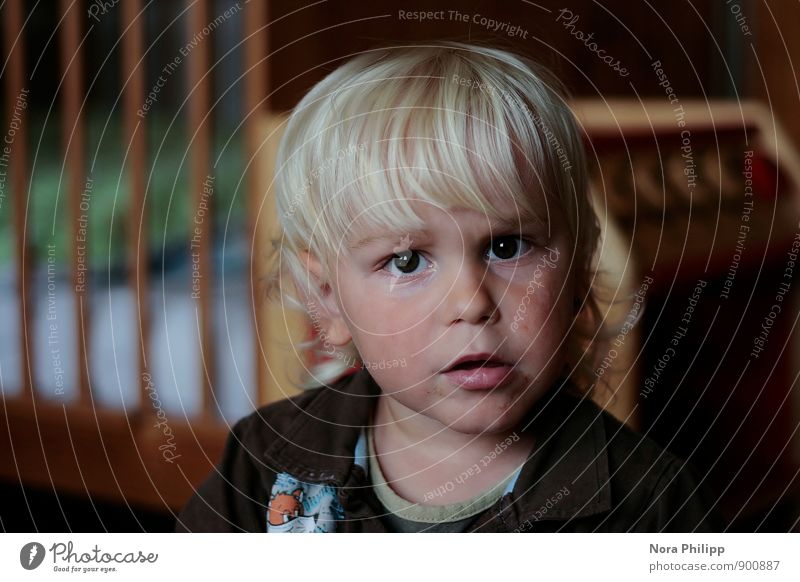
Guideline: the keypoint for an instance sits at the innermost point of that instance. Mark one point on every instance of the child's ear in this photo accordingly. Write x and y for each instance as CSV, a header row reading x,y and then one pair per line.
x,y
329,314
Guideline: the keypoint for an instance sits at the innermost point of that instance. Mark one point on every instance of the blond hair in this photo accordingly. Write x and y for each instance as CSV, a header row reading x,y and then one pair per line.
x,y
454,124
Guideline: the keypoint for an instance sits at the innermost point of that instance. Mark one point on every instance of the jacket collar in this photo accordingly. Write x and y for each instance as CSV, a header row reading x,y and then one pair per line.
x,y
319,445
566,475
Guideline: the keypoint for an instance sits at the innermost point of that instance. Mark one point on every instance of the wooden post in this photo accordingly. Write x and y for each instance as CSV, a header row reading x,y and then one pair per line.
x,y
256,83
73,135
17,156
133,80
201,187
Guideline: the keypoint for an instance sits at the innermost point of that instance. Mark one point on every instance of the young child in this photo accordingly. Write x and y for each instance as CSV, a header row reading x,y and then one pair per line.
x,y
438,231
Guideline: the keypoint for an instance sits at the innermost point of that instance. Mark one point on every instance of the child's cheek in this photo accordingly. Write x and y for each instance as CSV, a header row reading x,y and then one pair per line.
x,y
383,324
534,311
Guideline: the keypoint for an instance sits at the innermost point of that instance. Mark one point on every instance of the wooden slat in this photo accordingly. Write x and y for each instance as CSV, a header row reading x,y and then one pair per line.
x,y
106,455
73,136
281,327
201,186
256,84
133,82
17,156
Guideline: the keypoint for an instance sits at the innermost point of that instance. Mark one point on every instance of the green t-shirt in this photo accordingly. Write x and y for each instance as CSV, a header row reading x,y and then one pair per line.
x,y
406,516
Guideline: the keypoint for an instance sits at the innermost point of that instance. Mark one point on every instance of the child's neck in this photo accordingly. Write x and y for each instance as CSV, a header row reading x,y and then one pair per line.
x,y
417,454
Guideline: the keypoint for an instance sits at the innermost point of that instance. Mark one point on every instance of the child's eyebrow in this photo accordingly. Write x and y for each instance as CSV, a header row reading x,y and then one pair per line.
x,y
368,240
495,225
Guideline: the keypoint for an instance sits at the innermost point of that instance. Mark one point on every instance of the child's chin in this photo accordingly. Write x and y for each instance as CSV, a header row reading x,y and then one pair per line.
x,y
484,421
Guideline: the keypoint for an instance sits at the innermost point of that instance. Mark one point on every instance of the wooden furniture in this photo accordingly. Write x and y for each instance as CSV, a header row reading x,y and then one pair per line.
x,y
706,194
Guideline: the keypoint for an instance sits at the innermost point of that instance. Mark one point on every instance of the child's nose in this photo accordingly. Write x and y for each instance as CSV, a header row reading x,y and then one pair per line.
x,y
469,297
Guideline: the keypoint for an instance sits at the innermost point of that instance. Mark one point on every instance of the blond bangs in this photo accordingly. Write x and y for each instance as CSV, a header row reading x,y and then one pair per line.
x,y
419,134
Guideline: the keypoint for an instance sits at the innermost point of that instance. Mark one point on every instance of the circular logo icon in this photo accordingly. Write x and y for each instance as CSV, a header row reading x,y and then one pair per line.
x,y
31,555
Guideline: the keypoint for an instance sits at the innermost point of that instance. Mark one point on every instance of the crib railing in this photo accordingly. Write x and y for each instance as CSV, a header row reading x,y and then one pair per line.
x,y
136,455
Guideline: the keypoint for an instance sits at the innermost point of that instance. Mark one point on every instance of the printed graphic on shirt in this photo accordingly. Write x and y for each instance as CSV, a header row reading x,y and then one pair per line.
x,y
296,507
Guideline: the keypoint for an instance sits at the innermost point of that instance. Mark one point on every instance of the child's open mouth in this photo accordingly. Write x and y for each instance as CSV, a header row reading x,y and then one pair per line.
x,y
478,372
475,364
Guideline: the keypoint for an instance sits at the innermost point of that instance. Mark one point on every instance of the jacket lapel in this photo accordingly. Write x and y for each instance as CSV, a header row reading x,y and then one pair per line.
x,y
318,446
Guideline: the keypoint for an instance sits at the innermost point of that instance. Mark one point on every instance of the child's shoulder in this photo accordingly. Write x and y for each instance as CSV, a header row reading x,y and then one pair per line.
x,y
646,480
260,427
622,440
307,420
297,435
628,450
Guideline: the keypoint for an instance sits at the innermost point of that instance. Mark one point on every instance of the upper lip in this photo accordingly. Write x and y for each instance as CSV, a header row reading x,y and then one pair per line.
x,y
481,356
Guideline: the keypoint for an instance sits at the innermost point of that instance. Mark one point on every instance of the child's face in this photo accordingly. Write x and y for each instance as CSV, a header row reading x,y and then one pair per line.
x,y
415,302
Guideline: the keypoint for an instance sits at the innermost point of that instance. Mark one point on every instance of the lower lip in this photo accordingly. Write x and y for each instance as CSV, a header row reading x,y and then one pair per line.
x,y
479,378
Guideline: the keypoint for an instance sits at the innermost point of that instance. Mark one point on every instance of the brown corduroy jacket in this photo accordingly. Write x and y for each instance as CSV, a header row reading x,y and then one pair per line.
x,y
300,465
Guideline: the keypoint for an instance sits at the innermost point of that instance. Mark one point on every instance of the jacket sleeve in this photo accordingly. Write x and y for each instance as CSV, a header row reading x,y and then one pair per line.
x,y
680,503
234,497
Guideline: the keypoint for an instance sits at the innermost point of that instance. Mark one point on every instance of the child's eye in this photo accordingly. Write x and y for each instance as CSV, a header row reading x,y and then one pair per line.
x,y
507,247
405,263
